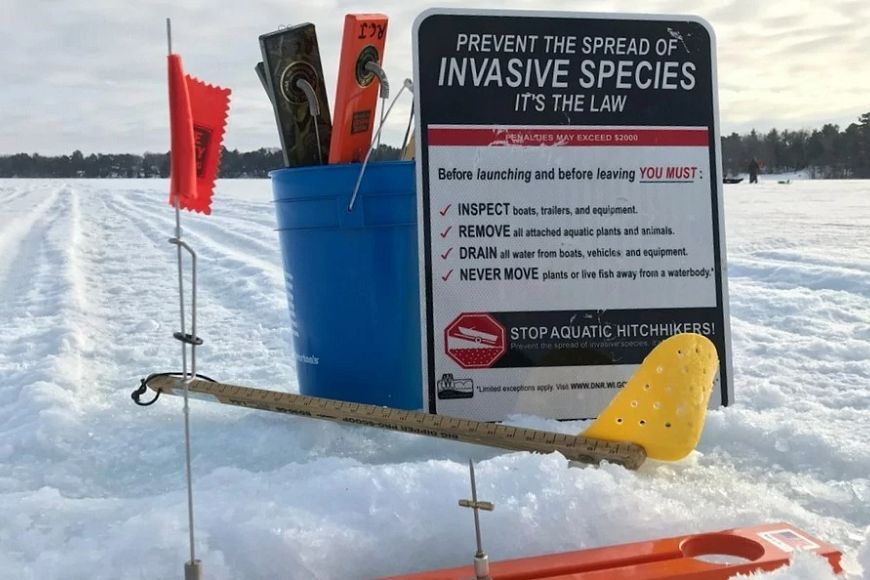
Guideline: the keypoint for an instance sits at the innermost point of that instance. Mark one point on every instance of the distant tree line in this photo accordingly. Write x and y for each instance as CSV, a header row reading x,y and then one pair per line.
x,y
828,152
825,153
233,164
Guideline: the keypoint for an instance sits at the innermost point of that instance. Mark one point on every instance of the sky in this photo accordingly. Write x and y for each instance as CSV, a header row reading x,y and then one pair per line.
x,y
91,74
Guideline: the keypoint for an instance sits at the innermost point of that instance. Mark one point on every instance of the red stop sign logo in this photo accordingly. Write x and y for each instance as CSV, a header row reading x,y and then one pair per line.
x,y
475,341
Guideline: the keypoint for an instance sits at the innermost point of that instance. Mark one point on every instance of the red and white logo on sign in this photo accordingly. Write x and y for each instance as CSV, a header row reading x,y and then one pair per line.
x,y
475,341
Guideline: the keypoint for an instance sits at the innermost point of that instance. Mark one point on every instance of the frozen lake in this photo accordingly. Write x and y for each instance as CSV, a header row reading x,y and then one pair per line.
x,y
92,486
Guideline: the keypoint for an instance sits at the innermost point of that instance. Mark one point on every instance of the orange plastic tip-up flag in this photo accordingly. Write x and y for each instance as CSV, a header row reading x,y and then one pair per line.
x,y
197,118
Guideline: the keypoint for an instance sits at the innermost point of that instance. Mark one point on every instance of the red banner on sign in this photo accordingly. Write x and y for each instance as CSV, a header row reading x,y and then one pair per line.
x,y
568,137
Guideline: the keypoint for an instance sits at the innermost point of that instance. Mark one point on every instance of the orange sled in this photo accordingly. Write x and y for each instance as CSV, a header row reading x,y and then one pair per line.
x,y
709,556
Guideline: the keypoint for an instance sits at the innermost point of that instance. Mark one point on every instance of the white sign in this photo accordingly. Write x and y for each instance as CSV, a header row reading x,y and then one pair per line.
x,y
569,205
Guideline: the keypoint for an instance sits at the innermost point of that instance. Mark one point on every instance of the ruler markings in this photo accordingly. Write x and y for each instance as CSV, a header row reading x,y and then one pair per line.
x,y
574,447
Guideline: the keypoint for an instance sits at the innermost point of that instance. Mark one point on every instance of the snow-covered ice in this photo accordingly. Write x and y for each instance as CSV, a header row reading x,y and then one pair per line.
x,y
92,486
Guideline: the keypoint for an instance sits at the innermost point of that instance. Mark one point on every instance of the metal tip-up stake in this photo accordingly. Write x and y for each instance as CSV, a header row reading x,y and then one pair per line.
x,y
481,560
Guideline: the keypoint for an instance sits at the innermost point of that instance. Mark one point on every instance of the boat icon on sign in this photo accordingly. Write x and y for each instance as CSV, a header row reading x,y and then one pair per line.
x,y
475,336
474,340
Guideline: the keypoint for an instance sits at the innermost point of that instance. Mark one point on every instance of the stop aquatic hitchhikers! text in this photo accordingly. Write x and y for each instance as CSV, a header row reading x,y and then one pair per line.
x,y
606,66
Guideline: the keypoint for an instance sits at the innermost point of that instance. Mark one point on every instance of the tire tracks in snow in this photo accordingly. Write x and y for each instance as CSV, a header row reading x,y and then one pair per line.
x,y
47,391
24,223
238,298
21,247
11,190
781,273
227,276
245,231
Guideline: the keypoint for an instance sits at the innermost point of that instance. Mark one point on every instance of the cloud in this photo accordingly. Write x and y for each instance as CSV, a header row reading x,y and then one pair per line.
x,y
90,74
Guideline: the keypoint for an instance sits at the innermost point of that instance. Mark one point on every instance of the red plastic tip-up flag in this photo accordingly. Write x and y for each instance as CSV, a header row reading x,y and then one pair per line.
x,y
197,119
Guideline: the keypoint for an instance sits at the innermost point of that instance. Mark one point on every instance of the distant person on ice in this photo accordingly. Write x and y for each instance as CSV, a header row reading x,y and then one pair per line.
x,y
753,171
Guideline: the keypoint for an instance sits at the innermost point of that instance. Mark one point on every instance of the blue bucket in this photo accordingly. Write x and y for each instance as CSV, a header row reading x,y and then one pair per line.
x,y
352,281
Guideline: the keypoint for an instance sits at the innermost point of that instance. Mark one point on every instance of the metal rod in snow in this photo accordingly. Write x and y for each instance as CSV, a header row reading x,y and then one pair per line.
x,y
481,560
476,516
192,569
184,378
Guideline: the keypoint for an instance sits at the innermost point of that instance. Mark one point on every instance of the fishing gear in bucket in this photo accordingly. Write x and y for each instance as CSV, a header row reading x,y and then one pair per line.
x,y
294,82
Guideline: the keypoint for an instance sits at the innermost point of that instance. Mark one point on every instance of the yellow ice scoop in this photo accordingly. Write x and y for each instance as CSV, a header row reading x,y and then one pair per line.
x,y
663,406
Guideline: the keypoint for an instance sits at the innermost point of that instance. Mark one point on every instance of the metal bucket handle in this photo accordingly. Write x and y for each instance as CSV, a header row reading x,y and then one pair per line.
x,y
408,84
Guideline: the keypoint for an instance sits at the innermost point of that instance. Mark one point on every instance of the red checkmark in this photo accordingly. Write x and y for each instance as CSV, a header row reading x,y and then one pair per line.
x,y
447,231
447,275
445,254
444,211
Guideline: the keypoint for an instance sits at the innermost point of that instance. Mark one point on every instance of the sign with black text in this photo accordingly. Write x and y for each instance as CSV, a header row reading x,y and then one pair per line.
x,y
569,205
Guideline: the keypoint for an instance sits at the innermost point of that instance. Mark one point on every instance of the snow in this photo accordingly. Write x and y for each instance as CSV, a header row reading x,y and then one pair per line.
x,y
92,486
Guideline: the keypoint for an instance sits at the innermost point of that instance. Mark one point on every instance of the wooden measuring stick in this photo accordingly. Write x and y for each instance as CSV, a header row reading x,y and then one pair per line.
x,y
573,447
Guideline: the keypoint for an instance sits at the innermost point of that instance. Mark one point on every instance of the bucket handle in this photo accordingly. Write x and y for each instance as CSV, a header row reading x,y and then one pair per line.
x,y
408,84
